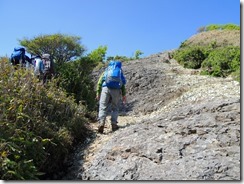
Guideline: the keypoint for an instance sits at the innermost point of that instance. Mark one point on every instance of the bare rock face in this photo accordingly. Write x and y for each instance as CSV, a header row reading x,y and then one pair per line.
x,y
200,142
179,126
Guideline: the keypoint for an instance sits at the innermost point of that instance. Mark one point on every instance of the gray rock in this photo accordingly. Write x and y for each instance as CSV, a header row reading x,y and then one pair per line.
x,y
187,127
193,147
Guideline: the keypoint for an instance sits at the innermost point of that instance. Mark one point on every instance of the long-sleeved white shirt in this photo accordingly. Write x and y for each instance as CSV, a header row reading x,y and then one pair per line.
x,y
38,67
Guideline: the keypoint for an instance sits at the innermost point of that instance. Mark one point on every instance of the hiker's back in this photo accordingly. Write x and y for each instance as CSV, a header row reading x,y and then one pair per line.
x,y
38,66
48,67
18,56
113,75
47,63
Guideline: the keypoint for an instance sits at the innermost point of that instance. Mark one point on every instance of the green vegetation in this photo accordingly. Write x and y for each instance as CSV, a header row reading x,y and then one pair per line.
x,y
62,48
222,62
38,125
219,59
212,27
191,57
75,78
72,69
98,55
137,54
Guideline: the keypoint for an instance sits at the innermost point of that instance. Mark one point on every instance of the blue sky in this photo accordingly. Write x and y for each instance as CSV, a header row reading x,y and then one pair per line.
x,y
124,26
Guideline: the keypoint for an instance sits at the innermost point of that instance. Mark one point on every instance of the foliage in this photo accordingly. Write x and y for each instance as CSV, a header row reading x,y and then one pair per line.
x,y
120,58
191,57
98,55
222,62
213,27
62,48
38,125
230,27
137,54
213,58
222,27
219,62
75,78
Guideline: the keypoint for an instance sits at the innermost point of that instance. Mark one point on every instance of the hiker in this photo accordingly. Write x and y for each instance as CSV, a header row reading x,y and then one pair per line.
x,y
48,68
28,62
110,88
38,67
18,57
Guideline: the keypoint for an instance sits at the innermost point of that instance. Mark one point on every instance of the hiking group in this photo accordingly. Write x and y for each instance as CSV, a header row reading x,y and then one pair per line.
x,y
110,86
43,66
110,89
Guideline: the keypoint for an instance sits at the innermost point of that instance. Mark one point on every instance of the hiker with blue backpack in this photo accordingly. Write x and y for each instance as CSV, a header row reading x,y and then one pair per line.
x,y
110,88
18,58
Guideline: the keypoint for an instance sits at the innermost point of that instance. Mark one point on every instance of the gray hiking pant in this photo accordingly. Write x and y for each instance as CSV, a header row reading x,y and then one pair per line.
x,y
109,97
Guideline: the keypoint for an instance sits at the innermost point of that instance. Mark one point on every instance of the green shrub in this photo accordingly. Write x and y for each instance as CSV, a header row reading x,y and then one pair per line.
x,y
213,27
190,57
222,27
222,62
38,125
230,27
75,78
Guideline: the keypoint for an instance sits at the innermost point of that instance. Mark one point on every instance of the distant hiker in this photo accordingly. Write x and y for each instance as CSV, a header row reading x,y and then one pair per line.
x,y
18,57
110,88
28,64
48,68
38,67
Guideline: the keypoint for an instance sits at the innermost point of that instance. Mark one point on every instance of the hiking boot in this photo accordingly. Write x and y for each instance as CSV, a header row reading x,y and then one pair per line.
x,y
115,127
100,129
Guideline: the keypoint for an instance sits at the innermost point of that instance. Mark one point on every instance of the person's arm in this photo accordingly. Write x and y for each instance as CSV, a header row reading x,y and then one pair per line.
x,y
99,86
123,78
37,67
123,92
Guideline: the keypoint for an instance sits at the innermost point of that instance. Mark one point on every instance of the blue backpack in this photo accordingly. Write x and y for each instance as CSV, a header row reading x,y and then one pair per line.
x,y
18,56
113,75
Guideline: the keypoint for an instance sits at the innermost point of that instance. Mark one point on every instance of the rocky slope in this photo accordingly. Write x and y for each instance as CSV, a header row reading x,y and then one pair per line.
x,y
219,37
176,125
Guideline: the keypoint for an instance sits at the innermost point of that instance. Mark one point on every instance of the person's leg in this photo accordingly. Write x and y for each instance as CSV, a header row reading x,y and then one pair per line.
x,y
115,94
44,79
103,105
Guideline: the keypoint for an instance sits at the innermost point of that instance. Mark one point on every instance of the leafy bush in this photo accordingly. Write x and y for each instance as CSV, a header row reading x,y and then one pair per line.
x,y
190,57
222,62
222,27
75,78
216,57
98,55
213,27
230,27
38,125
